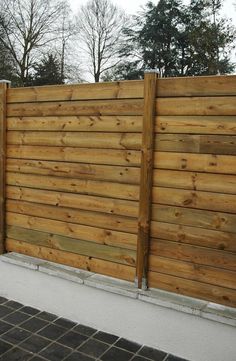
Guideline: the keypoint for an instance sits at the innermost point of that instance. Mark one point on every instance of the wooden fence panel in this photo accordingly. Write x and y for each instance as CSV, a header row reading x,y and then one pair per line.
x,y
193,229
135,180
73,174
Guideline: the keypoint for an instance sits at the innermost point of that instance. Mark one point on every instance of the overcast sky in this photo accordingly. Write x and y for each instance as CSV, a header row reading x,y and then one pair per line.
x,y
132,6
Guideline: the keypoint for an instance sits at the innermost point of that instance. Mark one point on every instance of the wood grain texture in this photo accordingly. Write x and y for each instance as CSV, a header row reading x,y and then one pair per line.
x,y
193,235
145,198
183,286
72,200
114,90
220,221
90,249
71,259
196,106
196,86
193,271
78,155
222,183
65,214
76,139
212,144
195,124
167,87
91,107
72,230
115,123
130,175
194,254
195,199
196,162
73,185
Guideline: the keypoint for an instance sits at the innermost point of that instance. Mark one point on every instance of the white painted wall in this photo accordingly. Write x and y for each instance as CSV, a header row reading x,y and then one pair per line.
x,y
182,334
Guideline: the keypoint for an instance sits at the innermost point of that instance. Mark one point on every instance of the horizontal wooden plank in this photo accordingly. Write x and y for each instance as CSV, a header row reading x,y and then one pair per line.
x,y
195,254
192,271
116,123
118,174
114,90
76,139
195,199
71,259
78,186
77,201
219,105
196,162
193,235
196,86
195,181
89,107
225,296
166,87
225,125
90,249
213,144
78,155
194,217
72,230
194,124
101,220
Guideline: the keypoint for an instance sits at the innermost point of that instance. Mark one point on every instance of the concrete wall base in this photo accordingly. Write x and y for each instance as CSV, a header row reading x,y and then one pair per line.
x,y
185,334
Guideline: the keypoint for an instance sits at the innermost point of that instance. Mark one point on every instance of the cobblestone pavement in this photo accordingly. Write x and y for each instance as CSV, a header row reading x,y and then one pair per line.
x,y
29,334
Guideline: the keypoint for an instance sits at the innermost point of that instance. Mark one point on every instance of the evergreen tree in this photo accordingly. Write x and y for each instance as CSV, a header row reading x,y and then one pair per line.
x,y
47,72
211,39
178,40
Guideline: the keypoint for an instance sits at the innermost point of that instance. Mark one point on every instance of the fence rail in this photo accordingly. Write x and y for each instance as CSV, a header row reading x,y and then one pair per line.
x,y
136,180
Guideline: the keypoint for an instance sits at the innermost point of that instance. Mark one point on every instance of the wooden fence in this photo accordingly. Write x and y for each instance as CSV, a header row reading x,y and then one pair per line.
x,y
136,180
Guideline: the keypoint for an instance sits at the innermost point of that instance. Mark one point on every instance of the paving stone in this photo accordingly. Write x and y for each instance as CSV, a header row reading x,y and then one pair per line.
x,y
55,352
138,358
4,311
35,343
84,330
2,300
106,337
4,346
47,316
13,304
63,322
16,354
30,310
77,356
34,324
93,348
4,327
16,335
72,339
53,332
128,345
174,358
116,354
16,318
152,353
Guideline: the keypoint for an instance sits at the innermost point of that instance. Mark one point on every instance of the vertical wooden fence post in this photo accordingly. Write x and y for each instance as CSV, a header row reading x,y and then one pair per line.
x,y
3,95
145,199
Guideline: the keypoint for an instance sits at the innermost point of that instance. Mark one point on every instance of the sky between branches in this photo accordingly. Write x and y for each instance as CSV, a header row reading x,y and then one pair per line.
x,y
132,6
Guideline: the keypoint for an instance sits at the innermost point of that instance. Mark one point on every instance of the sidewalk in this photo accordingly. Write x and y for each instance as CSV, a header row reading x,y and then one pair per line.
x,y
29,334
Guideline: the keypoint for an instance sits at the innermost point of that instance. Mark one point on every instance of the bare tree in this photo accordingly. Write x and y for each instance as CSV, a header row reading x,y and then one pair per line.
x,y
100,24
28,26
66,31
